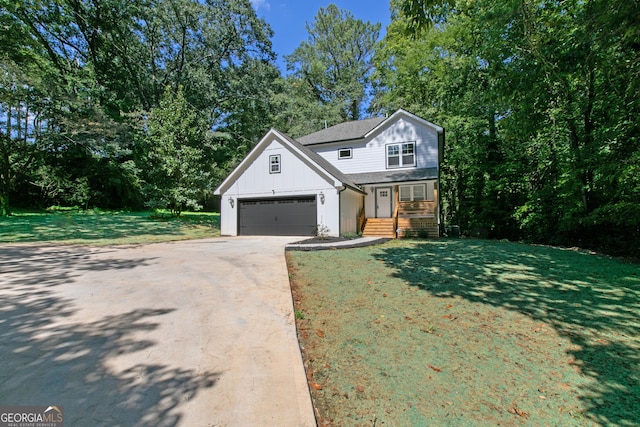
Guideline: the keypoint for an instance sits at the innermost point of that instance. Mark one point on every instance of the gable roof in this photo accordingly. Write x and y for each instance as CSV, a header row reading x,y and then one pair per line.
x,y
342,132
324,163
347,131
315,160
359,129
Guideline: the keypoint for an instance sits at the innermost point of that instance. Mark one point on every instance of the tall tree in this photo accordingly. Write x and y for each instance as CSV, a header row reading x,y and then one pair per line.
x,y
335,62
177,155
550,88
101,66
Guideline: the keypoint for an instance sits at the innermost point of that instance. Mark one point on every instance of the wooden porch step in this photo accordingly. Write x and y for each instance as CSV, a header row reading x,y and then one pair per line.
x,y
379,227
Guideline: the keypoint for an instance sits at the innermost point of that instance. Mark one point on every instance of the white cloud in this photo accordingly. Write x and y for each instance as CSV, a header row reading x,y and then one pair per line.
x,y
261,4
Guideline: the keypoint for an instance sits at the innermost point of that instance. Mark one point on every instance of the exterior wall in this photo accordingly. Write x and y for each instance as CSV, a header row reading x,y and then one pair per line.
x,y
371,155
296,178
350,204
328,212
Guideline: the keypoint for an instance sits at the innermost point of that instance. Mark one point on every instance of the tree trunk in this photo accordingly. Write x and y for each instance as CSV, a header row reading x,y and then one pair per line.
x,y
5,209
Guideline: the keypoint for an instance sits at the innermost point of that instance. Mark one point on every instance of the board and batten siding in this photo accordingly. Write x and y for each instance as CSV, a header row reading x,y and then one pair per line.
x,y
351,202
296,178
371,155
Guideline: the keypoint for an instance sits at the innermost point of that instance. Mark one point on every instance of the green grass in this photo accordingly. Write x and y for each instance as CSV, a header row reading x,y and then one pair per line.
x,y
106,227
469,332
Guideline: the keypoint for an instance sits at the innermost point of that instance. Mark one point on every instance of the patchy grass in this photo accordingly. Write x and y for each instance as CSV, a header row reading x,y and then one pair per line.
x,y
469,332
106,227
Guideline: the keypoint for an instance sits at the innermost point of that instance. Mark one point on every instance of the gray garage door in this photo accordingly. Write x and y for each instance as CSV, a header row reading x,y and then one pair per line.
x,y
294,216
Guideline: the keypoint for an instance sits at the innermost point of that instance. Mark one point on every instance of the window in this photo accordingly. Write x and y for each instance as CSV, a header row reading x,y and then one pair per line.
x,y
410,193
274,163
344,153
401,155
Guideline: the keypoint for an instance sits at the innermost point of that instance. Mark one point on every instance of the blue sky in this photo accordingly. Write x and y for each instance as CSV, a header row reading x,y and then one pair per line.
x,y
289,17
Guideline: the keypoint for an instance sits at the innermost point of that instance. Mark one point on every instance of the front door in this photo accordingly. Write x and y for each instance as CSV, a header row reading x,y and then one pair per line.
x,y
383,202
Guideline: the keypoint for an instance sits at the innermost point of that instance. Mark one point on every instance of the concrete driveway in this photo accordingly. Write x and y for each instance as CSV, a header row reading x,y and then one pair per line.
x,y
198,333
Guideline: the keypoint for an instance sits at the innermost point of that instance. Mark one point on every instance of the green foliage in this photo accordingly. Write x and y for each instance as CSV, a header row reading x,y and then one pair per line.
x,y
299,112
176,156
351,236
330,71
537,99
78,80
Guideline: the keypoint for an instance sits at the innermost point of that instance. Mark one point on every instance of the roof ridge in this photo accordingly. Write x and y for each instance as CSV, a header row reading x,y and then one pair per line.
x,y
345,131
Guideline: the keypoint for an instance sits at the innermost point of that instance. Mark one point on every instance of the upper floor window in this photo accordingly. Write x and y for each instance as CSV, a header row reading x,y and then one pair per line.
x,y
274,163
401,155
345,153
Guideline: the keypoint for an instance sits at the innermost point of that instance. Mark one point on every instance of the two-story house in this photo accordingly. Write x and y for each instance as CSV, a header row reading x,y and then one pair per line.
x,y
377,176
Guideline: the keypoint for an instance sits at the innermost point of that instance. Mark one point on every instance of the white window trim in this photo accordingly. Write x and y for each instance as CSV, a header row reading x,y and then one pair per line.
x,y
400,163
272,163
350,156
425,190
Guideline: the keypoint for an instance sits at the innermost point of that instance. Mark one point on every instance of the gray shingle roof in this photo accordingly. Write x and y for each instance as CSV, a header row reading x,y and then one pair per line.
x,y
342,132
393,176
323,163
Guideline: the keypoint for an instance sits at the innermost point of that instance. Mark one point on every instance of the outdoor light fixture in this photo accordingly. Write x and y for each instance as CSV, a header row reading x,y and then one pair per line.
x,y
231,201
322,197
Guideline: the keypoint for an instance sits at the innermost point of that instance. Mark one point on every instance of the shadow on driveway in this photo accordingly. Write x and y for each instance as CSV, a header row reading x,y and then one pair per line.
x,y
49,357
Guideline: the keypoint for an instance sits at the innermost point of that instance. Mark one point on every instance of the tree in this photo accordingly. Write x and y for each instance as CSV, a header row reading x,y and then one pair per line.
x,y
24,80
82,73
299,112
538,99
335,63
176,156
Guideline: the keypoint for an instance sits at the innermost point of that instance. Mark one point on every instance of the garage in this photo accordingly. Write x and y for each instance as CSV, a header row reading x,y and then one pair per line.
x,y
293,216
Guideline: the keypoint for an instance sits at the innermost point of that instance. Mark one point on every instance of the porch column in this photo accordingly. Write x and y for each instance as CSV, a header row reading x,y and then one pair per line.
x,y
396,205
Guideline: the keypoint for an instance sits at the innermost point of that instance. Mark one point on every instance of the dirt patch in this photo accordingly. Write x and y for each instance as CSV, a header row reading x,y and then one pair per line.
x,y
462,332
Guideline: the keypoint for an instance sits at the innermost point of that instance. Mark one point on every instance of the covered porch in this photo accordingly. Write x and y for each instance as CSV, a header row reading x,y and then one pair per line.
x,y
408,219
400,203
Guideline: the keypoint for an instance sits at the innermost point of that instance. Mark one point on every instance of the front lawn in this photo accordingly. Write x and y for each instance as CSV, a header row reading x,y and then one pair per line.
x,y
468,332
106,227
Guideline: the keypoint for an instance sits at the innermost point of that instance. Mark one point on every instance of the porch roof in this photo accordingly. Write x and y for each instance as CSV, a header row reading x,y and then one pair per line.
x,y
394,176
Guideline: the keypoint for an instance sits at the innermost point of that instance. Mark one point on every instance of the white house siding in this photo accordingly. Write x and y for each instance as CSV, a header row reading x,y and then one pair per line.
x,y
370,201
296,178
370,156
350,204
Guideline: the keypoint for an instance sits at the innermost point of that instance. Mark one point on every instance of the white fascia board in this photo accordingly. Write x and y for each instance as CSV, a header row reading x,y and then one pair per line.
x,y
254,153
260,146
310,162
